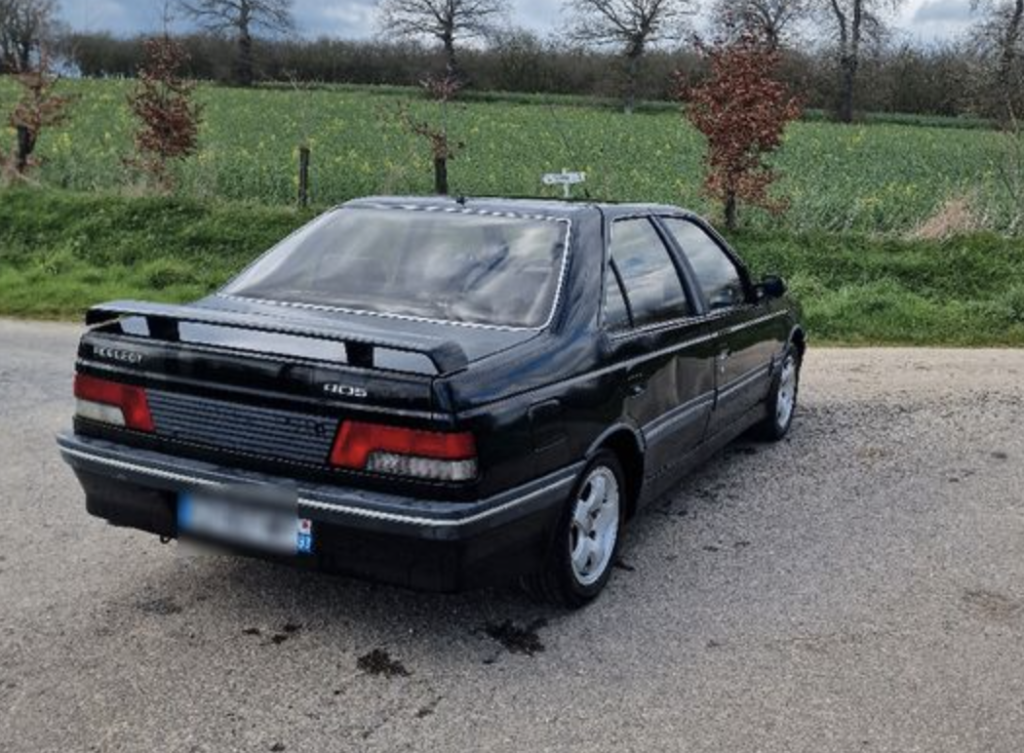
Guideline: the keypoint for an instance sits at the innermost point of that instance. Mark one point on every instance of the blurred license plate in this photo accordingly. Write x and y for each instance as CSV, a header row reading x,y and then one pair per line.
x,y
233,521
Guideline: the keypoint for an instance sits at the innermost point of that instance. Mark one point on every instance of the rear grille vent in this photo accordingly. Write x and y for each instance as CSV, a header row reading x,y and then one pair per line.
x,y
271,433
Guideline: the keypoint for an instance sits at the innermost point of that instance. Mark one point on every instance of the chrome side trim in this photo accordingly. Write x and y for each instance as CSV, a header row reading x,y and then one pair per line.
x,y
597,373
761,372
669,422
360,512
754,322
141,469
691,321
432,522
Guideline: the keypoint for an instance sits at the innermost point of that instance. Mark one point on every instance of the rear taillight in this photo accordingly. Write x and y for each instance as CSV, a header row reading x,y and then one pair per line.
x,y
113,403
394,451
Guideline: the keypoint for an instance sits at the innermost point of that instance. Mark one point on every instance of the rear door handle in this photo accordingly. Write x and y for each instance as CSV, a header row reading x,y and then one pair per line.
x,y
636,384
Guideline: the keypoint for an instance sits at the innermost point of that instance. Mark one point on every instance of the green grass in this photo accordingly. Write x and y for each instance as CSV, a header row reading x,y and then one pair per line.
x,y
862,290
879,177
61,252
615,103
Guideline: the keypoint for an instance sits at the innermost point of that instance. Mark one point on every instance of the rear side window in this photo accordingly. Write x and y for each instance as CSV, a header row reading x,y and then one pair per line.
x,y
461,267
717,275
648,273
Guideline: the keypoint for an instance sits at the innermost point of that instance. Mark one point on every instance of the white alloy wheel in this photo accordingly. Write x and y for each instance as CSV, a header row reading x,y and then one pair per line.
x,y
594,529
785,403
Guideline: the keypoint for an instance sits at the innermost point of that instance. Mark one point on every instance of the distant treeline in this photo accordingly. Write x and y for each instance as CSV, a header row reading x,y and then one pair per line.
x,y
936,80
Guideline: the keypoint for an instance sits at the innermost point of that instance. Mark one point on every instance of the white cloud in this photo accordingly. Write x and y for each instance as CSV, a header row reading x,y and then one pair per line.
x,y
346,18
930,20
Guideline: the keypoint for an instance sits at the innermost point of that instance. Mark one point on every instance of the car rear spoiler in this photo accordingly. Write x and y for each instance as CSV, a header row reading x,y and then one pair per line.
x,y
163,321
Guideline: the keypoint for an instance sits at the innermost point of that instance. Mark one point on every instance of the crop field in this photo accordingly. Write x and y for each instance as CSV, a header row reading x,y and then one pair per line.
x,y
847,245
877,178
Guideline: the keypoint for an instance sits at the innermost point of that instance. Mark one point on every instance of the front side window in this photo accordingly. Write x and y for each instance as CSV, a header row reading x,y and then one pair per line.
x,y
716,273
651,279
453,267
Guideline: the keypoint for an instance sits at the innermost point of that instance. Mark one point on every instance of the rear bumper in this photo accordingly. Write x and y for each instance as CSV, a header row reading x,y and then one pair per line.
x,y
432,545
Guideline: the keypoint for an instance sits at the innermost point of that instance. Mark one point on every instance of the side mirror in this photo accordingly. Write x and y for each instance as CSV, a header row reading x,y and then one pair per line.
x,y
772,286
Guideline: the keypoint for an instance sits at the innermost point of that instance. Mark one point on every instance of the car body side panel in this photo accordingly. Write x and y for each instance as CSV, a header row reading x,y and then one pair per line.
x,y
744,352
667,380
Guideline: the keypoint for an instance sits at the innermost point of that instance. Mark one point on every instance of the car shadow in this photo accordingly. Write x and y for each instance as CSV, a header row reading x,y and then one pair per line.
x,y
277,605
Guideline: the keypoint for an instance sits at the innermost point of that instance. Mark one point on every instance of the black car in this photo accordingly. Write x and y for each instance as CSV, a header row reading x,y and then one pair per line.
x,y
438,393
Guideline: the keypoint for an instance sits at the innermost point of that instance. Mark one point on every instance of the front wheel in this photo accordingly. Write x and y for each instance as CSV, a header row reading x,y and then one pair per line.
x,y
587,540
782,402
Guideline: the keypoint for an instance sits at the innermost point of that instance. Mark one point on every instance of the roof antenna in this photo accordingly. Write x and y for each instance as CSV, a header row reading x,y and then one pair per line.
x,y
565,179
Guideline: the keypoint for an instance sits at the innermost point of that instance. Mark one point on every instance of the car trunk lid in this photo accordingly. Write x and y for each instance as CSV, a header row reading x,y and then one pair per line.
x,y
244,381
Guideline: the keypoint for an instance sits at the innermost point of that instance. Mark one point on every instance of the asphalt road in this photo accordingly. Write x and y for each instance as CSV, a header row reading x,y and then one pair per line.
x,y
858,588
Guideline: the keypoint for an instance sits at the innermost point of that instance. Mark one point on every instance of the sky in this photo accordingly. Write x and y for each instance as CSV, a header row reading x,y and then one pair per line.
x,y
922,21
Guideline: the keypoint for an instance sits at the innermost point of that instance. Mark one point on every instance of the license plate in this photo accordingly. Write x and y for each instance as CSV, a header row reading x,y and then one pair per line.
x,y
233,521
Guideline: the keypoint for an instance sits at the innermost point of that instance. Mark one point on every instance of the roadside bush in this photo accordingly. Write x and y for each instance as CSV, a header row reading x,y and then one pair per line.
x,y
165,273
1011,304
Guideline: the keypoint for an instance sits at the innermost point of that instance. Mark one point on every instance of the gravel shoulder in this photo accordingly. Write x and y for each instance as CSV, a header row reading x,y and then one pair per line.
x,y
858,587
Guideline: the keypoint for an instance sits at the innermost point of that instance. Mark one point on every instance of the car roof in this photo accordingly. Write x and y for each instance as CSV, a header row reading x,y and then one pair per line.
x,y
523,206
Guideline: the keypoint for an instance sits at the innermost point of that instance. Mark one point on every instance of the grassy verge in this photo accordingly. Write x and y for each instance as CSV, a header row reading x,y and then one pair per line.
x,y
861,290
61,252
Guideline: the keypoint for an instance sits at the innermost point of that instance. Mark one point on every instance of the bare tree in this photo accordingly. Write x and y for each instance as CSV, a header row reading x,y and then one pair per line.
x,y
242,18
443,91
1002,33
855,23
25,27
446,21
632,25
774,21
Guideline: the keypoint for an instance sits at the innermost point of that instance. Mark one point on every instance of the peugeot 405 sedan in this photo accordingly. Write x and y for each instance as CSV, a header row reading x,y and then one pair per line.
x,y
438,393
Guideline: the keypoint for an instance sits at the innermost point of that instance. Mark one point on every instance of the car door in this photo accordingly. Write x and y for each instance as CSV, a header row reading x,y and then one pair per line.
x,y
744,341
654,331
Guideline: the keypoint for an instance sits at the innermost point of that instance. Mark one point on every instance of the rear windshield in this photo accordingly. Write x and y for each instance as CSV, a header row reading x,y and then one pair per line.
x,y
448,266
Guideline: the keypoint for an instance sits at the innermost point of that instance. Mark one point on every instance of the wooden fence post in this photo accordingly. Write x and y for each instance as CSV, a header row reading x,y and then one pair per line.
x,y
441,176
304,176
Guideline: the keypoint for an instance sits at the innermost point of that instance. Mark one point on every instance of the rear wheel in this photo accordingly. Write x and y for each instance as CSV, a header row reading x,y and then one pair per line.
x,y
783,400
587,540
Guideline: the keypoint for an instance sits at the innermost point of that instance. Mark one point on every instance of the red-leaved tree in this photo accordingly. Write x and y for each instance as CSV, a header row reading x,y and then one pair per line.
x,y
38,108
742,109
168,117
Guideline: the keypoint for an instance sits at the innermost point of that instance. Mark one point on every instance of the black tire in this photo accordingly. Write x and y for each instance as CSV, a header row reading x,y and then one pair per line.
x,y
558,583
777,423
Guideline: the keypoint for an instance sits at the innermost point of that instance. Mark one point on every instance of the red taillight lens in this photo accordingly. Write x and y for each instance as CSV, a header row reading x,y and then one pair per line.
x,y
395,451
131,400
